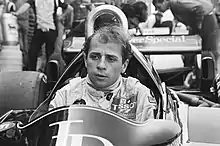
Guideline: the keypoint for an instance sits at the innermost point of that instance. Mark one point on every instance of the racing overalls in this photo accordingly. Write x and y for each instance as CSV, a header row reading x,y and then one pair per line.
x,y
130,98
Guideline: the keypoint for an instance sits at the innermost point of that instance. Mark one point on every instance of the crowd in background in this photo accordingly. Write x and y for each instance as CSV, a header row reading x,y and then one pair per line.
x,y
140,14
74,21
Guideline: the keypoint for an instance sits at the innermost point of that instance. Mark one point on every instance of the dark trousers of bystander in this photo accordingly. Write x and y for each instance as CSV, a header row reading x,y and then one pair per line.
x,y
38,40
210,38
209,34
23,32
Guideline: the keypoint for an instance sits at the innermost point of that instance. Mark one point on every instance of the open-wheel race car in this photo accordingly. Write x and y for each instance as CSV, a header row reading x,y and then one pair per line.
x,y
183,116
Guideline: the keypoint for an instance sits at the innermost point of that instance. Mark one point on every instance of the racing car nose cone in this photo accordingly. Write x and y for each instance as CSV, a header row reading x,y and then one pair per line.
x,y
157,132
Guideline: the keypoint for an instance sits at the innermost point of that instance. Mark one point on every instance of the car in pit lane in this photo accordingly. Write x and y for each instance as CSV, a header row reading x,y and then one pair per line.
x,y
179,119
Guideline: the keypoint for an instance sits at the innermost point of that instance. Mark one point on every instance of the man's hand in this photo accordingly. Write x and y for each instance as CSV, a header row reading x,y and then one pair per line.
x,y
199,25
60,18
44,29
14,13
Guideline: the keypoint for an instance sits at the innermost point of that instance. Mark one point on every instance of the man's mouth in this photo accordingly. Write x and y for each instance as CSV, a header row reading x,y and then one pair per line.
x,y
101,76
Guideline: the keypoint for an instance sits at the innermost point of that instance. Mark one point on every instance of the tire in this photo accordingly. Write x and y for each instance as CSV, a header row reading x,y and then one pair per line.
x,y
21,90
104,9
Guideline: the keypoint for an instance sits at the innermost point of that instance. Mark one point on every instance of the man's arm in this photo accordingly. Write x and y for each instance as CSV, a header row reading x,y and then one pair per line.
x,y
66,11
196,8
22,9
66,8
146,104
71,18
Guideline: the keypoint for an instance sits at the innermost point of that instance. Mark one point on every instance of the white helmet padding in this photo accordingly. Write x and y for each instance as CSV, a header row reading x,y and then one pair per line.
x,y
104,14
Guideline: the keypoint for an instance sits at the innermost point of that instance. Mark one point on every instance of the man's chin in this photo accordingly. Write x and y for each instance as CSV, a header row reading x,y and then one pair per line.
x,y
101,85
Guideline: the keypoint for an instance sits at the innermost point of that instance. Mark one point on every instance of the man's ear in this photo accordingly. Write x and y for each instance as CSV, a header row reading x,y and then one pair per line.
x,y
85,59
125,65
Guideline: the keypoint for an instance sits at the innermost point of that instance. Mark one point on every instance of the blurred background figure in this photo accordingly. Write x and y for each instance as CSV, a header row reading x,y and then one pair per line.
x,y
45,31
78,29
135,13
159,19
200,16
62,25
129,12
141,11
79,11
23,23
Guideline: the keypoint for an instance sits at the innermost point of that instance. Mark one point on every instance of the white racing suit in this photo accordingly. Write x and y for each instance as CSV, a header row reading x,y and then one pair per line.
x,y
130,98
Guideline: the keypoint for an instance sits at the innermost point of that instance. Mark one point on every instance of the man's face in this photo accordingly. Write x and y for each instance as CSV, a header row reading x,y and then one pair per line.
x,y
144,15
162,7
79,1
104,63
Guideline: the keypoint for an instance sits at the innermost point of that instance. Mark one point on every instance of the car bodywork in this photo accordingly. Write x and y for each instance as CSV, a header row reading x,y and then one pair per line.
x,y
179,119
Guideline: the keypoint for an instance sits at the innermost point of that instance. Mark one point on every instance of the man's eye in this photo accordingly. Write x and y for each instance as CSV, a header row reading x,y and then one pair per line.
x,y
111,59
94,57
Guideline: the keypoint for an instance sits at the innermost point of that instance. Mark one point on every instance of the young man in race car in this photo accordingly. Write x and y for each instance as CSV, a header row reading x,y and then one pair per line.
x,y
200,16
106,56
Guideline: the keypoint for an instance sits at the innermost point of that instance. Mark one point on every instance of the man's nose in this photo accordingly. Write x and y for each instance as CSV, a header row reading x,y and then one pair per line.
x,y
157,7
102,63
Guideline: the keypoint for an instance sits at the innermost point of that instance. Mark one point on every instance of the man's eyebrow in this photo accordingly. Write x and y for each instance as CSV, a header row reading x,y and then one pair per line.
x,y
112,55
108,55
95,53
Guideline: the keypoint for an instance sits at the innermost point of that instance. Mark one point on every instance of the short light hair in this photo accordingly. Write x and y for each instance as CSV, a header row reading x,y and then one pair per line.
x,y
111,34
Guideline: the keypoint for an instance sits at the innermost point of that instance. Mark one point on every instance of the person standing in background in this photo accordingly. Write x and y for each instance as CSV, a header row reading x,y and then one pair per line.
x,y
136,13
23,24
158,19
200,16
141,10
46,28
62,25
130,14
79,11
31,26
41,61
